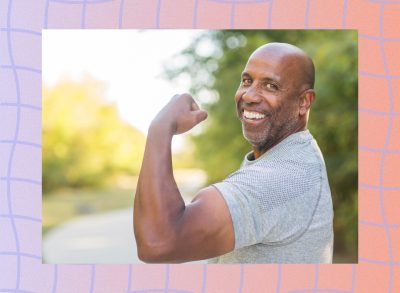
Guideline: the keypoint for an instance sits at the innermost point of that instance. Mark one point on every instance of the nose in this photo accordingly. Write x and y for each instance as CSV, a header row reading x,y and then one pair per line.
x,y
251,95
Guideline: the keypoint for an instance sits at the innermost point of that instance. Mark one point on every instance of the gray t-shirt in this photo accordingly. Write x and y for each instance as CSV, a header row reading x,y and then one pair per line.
x,y
281,205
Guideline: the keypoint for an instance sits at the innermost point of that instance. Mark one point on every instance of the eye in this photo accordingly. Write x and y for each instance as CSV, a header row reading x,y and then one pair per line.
x,y
246,81
271,86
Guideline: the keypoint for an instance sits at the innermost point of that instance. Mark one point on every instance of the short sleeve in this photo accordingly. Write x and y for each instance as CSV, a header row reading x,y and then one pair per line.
x,y
271,204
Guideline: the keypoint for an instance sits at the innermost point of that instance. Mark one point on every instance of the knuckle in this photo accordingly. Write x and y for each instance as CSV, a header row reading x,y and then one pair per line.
x,y
186,96
174,97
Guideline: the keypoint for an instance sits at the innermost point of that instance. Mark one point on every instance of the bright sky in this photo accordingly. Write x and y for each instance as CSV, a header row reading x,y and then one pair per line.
x,y
128,61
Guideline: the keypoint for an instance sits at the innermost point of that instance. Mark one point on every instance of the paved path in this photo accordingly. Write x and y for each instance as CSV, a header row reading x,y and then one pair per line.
x,y
99,238
102,238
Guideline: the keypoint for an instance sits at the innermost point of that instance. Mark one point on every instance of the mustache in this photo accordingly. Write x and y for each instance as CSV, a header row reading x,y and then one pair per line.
x,y
242,105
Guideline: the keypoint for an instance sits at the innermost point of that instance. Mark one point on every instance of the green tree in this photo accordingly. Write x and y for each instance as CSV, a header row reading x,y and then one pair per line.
x,y
214,62
85,142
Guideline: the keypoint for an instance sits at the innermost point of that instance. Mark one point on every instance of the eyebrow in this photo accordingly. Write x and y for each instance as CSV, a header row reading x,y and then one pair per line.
x,y
264,79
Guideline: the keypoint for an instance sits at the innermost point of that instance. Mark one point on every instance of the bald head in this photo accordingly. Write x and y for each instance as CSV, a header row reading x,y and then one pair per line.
x,y
275,94
296,62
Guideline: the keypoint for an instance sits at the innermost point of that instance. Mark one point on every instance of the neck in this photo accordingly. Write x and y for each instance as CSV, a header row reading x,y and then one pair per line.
x,y
258,151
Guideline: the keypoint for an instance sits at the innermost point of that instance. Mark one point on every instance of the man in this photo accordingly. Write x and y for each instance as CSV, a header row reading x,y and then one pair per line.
x,y
276,208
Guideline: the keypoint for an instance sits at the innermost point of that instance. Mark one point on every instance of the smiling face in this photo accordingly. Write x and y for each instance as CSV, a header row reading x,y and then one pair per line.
x,y
270,98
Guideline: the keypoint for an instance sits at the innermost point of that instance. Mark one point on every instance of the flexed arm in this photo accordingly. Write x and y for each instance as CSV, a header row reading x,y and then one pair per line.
x,y
165,229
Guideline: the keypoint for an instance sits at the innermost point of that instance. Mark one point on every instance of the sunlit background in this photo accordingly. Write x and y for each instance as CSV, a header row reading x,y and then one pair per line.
x,y
128,63
102,88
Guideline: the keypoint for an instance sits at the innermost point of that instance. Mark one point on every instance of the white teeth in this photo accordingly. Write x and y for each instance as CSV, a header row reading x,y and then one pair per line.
x,y
253,115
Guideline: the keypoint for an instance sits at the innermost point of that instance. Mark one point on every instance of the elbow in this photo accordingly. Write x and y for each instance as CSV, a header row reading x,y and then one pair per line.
x,y
150,249
154,246
148,256
158,252
144,255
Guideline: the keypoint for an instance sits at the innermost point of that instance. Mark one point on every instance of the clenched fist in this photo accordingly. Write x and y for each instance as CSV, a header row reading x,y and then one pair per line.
x,y
179,115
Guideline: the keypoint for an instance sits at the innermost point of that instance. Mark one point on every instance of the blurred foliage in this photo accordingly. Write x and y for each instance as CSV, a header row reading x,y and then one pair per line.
x,y
85,142
185,158
214,62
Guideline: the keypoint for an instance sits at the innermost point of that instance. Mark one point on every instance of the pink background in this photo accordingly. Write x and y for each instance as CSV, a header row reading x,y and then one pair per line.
x,y
21,23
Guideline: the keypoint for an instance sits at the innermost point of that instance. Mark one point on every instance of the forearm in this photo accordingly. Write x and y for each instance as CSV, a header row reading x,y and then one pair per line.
x,y
159,212
158,203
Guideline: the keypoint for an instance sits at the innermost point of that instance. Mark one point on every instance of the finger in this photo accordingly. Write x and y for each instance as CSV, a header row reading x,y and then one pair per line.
x,y
194,106
199,115
174,96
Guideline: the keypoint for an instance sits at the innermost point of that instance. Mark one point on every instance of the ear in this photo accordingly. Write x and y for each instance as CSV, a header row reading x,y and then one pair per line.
x,y
305,101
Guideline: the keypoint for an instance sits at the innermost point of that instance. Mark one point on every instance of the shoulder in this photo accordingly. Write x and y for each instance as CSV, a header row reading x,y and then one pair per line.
x,y
294,162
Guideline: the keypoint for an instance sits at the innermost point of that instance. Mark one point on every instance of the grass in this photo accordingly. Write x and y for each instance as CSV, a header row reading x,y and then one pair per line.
x,y
67,204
